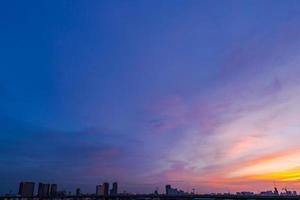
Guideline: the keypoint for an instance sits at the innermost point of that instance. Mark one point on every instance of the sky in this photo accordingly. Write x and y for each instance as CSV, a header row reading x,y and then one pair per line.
x,y
196,94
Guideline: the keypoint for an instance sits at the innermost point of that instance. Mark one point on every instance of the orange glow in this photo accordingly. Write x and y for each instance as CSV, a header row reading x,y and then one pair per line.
x,y
289,175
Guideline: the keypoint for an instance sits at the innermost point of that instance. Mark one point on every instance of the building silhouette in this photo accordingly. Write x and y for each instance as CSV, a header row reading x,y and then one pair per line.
x,y
26,189
78,192
53,190
44,190
173,191
168,188
99,190
106,188
114,189
102,189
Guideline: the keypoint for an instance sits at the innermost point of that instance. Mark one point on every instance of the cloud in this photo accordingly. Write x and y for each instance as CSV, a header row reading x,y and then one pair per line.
x,y
253,114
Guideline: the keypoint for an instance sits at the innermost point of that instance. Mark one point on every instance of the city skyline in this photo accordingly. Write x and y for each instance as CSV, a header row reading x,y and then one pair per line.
x,y
47,190
195,94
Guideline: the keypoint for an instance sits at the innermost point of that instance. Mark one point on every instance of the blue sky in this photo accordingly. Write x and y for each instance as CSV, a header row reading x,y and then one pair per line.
x,y
148,93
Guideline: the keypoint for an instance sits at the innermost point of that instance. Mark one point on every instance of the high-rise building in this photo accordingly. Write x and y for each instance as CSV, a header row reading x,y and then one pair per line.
x,y
168,188
53,190
26,189
78,192
44,190
99,190
106,188
114,189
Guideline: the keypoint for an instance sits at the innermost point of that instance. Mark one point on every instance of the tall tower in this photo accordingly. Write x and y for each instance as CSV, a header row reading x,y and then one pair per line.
x,y
106,188
168,189
26,189
53,190
78,192
114,189
44,190
99,190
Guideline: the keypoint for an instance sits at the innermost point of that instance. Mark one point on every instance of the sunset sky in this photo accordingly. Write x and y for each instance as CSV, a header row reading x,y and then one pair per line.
x,y
197,94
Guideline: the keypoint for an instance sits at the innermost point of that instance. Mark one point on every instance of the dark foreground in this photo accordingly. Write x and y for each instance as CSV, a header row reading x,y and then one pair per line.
x,y
155,197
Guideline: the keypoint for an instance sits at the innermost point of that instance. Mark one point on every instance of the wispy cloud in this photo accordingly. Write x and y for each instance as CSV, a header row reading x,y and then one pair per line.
x,y
221,134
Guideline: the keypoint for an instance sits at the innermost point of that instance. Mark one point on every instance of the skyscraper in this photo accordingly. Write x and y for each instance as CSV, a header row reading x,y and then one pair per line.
x,y
43,190
78,192
53,190
26,189
114,189
102,189
106,188
168,188
99,190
